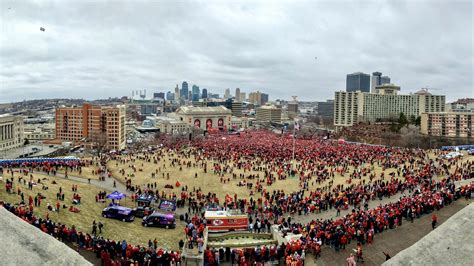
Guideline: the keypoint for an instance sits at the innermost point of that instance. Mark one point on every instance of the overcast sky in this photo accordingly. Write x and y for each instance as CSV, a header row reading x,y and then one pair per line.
x,y
96,49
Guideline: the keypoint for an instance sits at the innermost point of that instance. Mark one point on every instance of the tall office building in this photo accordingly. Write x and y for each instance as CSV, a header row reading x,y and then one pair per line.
x,y
236,108
11,132
204,93
263,99
384,80
358,82
243,97
255,98
377,80
184,90
177,94
170,96
227,94
325,109
237,95
268,114
99,125
196,93
159,95
353,107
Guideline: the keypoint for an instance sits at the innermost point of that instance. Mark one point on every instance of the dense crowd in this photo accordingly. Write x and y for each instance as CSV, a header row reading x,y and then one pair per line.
x,y
111,252
412,178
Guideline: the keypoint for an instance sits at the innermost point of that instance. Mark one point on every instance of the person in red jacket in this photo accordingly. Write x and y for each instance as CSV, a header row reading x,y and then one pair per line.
x,y
434,221
343,241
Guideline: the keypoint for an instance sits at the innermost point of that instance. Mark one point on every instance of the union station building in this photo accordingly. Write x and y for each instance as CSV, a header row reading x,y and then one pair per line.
x,y
216,117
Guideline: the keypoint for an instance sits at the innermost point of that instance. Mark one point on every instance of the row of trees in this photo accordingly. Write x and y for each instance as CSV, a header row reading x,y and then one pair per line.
x,y
404,121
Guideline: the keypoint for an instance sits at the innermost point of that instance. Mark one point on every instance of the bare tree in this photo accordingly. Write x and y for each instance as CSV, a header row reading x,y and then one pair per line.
x,y
99,141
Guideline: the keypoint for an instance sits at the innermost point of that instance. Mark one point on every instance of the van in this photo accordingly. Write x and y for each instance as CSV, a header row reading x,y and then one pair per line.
x,y
118,212
160,220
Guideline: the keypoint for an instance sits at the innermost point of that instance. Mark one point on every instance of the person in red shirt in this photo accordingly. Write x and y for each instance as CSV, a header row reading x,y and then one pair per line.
x,y
434,221
343,241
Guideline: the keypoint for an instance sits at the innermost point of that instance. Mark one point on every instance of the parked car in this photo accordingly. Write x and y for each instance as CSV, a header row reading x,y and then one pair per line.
x,y
118,212
160,220
145,200
451,155
142,211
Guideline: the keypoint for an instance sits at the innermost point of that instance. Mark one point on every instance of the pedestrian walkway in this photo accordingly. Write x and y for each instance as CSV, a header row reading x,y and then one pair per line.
x,y
107,184
390,241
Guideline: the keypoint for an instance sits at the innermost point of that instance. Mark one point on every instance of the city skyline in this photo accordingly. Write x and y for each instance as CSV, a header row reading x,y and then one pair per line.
x,y
99,50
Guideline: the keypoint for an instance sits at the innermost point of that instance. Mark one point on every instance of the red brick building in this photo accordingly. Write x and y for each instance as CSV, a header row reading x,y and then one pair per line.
x,y
98,125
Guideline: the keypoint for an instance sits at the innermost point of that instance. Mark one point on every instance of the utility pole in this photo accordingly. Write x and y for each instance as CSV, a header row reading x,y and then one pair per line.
x,y
294,132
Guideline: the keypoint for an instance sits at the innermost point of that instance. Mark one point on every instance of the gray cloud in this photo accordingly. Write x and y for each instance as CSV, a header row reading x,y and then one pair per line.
x,y
94,49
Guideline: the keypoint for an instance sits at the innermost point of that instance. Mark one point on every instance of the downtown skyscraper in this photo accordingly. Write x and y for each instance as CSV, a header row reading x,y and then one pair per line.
x,y
358,82
196,93
184,90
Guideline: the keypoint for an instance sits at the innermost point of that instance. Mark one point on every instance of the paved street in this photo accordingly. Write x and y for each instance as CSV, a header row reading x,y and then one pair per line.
x,y
391,241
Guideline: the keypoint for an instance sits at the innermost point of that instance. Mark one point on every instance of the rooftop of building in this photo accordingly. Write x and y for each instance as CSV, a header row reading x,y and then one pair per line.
x,y
419,92
358,73
5,115
90,105
387,85
454,112
269,107
203,110
464,101
423,92
11,116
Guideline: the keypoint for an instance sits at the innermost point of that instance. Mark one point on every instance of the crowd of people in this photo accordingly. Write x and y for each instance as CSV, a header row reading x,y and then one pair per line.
x,y
418,184
111,252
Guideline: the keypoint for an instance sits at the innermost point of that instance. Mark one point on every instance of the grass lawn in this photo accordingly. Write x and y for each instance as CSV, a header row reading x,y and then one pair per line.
x,y
133,232
208,182
86,172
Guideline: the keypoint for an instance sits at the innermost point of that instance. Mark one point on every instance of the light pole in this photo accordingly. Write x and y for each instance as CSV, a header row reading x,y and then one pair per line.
x,y
294,131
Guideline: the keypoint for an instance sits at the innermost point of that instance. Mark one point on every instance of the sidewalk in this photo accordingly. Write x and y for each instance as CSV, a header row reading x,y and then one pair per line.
x,y
390,241
108,184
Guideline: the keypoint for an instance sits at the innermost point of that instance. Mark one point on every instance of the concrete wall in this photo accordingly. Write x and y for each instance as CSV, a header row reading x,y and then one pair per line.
x,y
24,244
452,243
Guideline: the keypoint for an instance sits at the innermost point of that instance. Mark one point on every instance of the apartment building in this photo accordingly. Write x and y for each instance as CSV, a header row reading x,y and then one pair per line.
x,y
354,107
448,124
92,124
346,108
